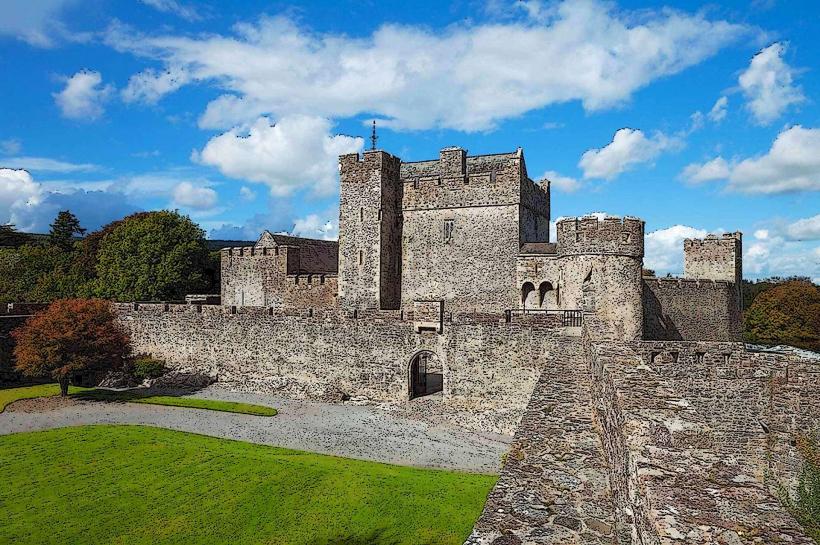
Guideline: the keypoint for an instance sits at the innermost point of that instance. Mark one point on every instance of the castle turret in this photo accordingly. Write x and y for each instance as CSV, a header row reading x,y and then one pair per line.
x,y
714,258
370,230
602,261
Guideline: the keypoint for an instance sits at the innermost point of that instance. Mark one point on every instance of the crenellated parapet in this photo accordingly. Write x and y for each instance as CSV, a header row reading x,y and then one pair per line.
x,y
714,257
606,236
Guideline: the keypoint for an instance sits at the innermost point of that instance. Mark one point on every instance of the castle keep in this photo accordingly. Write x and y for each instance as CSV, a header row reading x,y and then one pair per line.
x,y
639,416
472,233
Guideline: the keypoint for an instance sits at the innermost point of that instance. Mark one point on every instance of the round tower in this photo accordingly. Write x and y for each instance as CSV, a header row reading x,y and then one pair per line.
x,y
604,257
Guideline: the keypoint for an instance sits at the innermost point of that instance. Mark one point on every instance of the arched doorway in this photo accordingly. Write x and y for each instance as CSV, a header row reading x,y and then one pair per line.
x,y
548,296
426,375
529,297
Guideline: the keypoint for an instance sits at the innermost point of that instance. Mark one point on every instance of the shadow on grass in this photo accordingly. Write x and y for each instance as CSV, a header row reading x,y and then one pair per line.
x,y
133,394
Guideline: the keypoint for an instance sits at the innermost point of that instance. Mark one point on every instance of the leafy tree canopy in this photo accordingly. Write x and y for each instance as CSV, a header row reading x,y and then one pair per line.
x,y
11,237
151,256
788,313
71,337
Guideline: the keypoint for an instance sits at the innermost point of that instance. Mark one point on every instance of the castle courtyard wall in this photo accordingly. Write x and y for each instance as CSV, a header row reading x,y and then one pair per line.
x,y
688,309
489,365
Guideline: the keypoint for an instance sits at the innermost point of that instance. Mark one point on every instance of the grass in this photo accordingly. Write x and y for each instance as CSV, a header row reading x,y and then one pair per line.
x,y
8,395
141,485
175,401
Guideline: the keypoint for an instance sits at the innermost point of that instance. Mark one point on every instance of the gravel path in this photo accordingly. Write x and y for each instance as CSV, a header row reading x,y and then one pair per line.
x,y
352,431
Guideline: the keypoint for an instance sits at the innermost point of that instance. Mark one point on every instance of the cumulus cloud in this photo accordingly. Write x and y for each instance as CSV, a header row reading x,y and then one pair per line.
x,y
83,96
297,152
663,249
189,13
188,195
18,191
716,169
561,183
768,85
791,164
804,229
150,85
629,147
314,226
587,50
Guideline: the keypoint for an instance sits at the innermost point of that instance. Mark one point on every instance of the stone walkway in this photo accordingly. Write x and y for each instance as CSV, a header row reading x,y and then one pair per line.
x,y
363,432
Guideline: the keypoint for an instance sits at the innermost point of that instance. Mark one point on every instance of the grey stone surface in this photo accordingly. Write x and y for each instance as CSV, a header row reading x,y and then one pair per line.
x,y
395,436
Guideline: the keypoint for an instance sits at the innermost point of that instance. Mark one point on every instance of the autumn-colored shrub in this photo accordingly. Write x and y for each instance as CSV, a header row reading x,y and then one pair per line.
x,y
71,337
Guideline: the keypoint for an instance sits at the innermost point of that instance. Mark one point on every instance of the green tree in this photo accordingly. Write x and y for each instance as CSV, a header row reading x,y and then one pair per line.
x,y
71,337
152,256
65,226
11,237
804,504
788,313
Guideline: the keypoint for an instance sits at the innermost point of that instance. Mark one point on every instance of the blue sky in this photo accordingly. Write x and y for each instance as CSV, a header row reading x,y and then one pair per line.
x,y
697,116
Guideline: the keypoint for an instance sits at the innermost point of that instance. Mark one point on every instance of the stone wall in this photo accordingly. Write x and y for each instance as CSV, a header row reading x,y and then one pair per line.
x,y
757,403
684,309
275,277
670,483
490,365
714,258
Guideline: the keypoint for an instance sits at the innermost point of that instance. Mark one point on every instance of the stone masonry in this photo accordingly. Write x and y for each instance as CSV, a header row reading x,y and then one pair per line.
x,y
639,416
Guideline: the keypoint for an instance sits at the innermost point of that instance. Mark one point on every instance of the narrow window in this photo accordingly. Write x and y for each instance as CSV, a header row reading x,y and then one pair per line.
x,y
310,279
361,257
380,213
674,356
322,279
725,359
361,214
448,231
701,356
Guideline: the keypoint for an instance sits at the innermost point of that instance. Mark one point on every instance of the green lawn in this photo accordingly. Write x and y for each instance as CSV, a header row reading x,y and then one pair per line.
x,y
134,484
7,395
136,396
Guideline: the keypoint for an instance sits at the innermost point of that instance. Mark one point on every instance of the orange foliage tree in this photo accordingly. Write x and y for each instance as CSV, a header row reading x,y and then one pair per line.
x,y
69,338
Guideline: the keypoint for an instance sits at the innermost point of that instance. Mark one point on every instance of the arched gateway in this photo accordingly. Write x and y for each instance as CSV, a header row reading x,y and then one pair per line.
x,y
425,374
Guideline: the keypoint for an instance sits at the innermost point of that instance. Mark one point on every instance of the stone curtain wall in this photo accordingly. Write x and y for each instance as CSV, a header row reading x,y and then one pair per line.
x,y
756,402
684,309
671,483
490,366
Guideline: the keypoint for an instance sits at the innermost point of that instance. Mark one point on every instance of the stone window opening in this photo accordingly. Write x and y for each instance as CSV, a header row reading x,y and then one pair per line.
x,y
528,296
449,226
322,279
380,213
547,296
726,359
296,279
310,279
361,257
674,356
653,356
361,214
701,356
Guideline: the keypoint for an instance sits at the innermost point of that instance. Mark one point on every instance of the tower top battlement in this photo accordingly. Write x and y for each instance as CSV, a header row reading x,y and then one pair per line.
x,y
602,236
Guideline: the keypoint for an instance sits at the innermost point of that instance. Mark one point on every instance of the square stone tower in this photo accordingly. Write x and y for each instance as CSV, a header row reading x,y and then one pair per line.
x,y
370,231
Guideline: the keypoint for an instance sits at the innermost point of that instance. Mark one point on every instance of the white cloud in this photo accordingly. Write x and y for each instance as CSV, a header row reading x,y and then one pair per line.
x,y
295,153
36,23
83,96
587,50
775,255
761,234
189,195
663,249
716,169
45,164
246,193
561,183
804,229
312,226
791,164
18,191
149,86
768,85
629,147
189,13
11,146
718,111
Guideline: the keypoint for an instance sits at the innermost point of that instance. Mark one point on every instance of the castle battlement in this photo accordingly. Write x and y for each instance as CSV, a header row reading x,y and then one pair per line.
x,y
714,257
686,283
607,236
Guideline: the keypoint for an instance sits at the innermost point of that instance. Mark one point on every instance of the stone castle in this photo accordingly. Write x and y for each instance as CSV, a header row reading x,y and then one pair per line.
x,y
472,234
639,416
